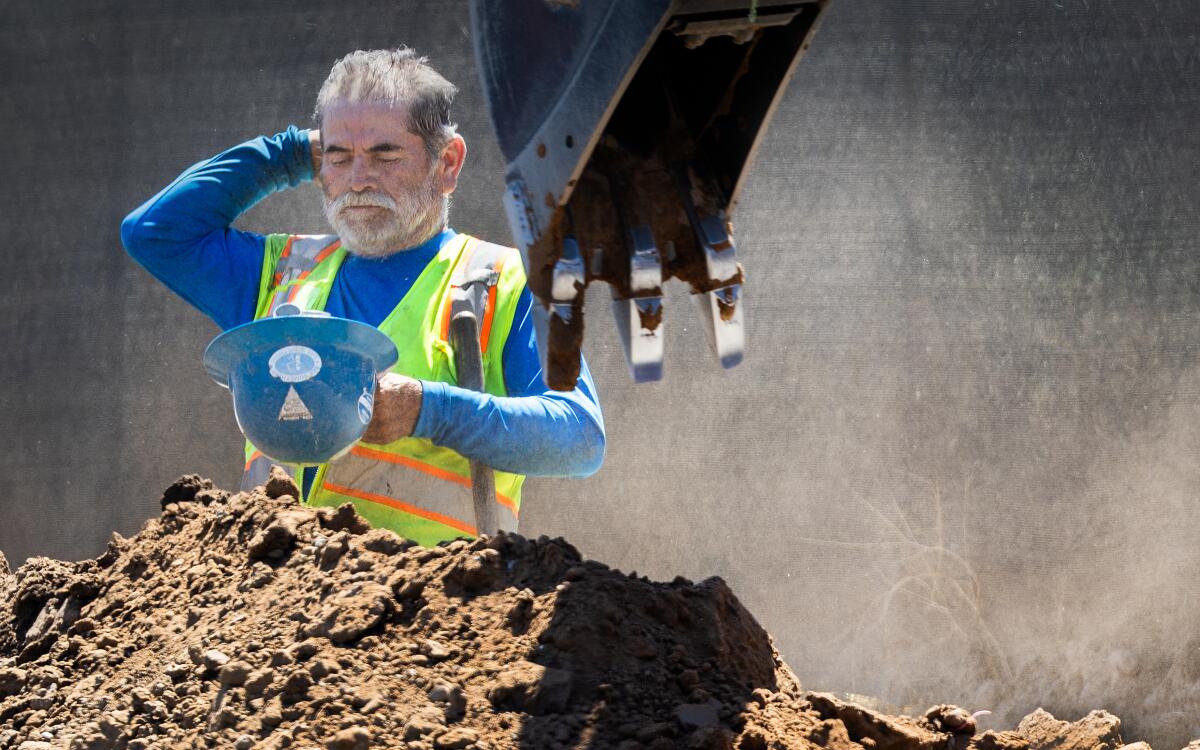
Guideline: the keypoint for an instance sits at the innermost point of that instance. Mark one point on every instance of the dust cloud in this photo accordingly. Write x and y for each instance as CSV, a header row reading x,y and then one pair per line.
x,y
960,461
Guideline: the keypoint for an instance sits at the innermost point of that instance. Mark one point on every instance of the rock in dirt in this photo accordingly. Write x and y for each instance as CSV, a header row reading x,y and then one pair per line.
x,y
456,739
698,715
249,621
1099,730
279,537
354,738
185,489
12,681
351,614
882,732
531,688
280,484
992,740
952,719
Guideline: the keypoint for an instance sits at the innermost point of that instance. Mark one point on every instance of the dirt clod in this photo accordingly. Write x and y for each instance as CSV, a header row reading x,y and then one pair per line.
x,y
354,738
1099,730
531,688
12,681
185,489
280,484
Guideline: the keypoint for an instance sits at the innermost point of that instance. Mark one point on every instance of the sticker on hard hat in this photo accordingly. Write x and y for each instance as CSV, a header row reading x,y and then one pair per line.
x,y
366,405
294,364
293,407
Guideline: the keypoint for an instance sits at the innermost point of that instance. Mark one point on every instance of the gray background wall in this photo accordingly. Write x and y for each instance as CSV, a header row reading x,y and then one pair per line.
x,y
960,461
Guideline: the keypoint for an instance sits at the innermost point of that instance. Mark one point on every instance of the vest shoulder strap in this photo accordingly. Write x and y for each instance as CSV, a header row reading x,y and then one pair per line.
x,y
301,254
473,285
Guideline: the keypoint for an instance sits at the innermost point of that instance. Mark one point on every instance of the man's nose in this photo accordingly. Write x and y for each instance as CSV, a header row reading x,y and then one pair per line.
x,y
362,175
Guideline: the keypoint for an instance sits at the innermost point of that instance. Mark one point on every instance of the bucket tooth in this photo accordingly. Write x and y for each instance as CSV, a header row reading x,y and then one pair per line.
x,y
720,254
721,306
639,317
568,281
722,313
720,295
558,325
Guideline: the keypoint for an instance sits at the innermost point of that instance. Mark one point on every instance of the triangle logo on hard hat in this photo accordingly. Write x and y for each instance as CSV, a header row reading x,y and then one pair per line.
x,y
293,407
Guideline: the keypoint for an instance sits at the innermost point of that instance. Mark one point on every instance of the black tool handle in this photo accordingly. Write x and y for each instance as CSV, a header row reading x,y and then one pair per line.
x,y
468,361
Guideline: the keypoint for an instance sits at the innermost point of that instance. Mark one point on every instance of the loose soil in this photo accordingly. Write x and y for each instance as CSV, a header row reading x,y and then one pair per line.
x,y
249,621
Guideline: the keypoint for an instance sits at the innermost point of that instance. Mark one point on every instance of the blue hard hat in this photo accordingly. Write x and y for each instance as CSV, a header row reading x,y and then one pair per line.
x,y
303,385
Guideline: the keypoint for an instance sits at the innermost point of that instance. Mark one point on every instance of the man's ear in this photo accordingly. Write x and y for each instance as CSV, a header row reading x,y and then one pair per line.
x,y
450,163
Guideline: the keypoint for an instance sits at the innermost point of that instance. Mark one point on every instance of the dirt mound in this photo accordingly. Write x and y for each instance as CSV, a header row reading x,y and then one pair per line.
x,y
249,621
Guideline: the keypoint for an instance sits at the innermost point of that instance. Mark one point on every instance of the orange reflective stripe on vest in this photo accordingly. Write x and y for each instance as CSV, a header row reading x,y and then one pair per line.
x,y
485,326
433,471
287,250
447,307
430,488
398,504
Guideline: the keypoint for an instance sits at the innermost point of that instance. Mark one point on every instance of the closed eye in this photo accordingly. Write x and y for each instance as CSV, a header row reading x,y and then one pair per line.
x,y
336,155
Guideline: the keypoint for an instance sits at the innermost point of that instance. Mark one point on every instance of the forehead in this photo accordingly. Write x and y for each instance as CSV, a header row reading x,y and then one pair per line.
x,y
347,123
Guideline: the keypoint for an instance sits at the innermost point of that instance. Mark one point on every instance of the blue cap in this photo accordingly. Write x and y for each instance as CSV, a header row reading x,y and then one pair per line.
x,y
303,385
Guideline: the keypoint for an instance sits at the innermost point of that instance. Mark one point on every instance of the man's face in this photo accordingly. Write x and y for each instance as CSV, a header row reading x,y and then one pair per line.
x,y
382,191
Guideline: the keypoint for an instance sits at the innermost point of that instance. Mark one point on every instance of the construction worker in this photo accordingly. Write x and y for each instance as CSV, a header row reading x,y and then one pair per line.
x,y
386,157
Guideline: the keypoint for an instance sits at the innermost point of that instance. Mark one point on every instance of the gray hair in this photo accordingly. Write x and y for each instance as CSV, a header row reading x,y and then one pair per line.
x,y
396,77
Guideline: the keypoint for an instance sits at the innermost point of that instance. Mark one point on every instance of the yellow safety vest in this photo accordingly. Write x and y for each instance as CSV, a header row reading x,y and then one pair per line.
x,y
419,490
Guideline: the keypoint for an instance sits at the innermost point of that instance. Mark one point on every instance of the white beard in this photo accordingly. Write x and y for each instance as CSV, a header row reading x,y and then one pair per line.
x,y
416,217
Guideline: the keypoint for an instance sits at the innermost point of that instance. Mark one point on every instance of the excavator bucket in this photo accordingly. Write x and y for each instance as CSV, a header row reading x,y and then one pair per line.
x,y
629,127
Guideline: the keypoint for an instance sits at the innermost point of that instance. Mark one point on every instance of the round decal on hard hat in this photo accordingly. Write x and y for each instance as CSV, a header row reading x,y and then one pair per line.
x,y
295,364
366,405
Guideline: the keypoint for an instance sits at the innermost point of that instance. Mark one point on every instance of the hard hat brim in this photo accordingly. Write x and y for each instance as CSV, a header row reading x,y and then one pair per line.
x,y
269,334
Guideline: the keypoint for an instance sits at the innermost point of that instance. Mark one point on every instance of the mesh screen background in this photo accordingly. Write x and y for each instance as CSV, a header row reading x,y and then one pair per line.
x,y
960,461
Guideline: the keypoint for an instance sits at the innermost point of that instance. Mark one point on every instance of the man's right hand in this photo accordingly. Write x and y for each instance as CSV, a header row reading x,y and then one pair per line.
x,y
397,408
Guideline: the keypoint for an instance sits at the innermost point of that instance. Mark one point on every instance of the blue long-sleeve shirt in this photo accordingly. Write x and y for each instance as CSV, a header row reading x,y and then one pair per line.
x,y
183,237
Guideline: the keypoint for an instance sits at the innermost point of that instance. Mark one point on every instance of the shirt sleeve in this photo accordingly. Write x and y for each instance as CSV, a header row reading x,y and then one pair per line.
x,y
535,431
183,237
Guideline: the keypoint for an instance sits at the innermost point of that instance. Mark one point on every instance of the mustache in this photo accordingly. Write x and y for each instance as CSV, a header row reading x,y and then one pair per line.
x,y
371,198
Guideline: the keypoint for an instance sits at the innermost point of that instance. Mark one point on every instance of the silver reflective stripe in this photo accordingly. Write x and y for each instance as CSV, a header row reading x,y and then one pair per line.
x,y
259,471
412,487
301,259
303,256
473,279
